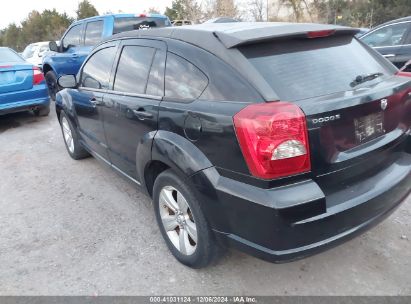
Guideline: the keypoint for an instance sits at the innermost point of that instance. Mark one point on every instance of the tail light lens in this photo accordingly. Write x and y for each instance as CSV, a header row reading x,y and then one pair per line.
x,y
405,74
38,76
273,138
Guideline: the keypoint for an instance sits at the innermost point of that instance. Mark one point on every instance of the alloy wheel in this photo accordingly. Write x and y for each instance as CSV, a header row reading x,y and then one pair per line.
x,y
68,136
178,220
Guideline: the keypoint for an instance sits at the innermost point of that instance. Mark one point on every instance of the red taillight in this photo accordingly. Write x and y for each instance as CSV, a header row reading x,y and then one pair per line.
x,y
401,73
274,139
319,34
142,15
38,76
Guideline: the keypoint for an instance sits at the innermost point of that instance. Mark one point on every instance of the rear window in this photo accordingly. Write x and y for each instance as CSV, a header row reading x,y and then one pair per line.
x,y
7,55
304,68
138,23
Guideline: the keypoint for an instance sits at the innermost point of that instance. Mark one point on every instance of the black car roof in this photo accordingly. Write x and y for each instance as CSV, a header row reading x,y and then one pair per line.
x,y
233,34
222,39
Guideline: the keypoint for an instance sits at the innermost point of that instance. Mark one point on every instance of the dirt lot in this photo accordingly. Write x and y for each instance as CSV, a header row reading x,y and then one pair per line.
x,y
77,228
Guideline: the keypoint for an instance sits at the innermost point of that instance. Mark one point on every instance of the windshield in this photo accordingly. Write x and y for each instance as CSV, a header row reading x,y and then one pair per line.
x,y
7,55
29,51
304,68
138,23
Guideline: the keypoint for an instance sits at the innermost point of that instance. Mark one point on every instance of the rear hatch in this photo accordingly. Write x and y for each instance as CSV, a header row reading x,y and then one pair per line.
x,y
357,109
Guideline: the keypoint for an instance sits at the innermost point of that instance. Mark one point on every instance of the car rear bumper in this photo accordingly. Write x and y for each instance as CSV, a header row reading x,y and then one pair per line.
x,y
18,101
298,220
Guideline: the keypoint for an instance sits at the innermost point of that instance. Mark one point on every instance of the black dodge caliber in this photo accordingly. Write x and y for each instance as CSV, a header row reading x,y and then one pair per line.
x,y
277,139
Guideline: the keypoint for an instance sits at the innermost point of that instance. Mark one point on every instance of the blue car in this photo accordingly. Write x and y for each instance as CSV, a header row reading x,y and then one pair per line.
x,y
22,85
81,37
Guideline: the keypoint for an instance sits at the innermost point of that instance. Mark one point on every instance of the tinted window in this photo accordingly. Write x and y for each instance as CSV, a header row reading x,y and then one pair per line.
x,y
304,68
138,23
387,36
7,55
133,69
94,31
183,79
96,72
72,37
155,85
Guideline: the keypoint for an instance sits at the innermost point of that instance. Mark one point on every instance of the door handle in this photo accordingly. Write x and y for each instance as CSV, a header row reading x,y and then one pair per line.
x,y
142,114
389,55
74,55
96,102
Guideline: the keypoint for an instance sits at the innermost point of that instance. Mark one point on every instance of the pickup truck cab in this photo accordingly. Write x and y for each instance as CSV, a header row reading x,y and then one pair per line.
x,y
81,37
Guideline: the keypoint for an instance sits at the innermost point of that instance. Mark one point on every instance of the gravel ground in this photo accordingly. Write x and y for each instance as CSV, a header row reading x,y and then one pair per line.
x,y
77,228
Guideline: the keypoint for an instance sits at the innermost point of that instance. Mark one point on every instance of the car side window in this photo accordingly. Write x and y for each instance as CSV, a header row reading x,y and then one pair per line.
x,y
94,32
133,69
96,72
183,79
73,37
155,85
390,35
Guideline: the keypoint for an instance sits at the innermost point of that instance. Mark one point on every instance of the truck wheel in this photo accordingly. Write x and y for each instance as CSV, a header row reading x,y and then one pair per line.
x,y
182,222
52,86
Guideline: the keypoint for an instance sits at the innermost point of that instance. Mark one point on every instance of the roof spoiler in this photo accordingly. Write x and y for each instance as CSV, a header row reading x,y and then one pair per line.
x,y
251,36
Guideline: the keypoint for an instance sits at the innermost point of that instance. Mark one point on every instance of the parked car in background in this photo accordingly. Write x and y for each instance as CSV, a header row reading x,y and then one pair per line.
x,y
362,31
221,20
182,22
392,39
235,146
80,38
34,53
22,85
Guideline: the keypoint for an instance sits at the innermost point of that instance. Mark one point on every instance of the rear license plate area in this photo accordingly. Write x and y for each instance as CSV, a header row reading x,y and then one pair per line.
x,y
369,127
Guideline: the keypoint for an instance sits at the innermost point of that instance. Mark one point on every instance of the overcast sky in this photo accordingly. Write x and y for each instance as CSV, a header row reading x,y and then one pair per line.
x,y
17,10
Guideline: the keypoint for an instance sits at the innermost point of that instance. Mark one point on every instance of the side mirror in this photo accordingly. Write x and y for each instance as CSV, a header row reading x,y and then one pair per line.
x,y
53,46
67,81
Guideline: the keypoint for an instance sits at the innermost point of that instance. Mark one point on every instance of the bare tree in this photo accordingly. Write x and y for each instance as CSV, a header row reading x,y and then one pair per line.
x,y
257,9
192,10
226,8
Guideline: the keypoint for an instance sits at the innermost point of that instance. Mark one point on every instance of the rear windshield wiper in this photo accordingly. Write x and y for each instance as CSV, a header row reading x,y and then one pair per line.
x,y
363,78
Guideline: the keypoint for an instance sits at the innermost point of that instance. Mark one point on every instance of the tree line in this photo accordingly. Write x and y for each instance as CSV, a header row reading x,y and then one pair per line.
x,y
357,13
50,24
44,26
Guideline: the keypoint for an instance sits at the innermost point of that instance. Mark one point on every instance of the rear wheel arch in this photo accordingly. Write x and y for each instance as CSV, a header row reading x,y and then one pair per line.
x,y
167,150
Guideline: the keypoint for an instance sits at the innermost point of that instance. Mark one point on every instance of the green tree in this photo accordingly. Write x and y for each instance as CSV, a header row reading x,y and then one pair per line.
x,y
45,26
86,9
184,9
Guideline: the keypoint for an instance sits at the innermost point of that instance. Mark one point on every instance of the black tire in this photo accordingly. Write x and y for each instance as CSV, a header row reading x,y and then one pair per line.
x,y
43,111
207,249
52,86
78,152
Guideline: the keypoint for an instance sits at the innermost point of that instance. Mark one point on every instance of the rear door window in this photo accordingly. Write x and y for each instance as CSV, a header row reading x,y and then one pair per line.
x,y
96,72
124,24
304,68
73,36
133,69
155,85
94,32
183,79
